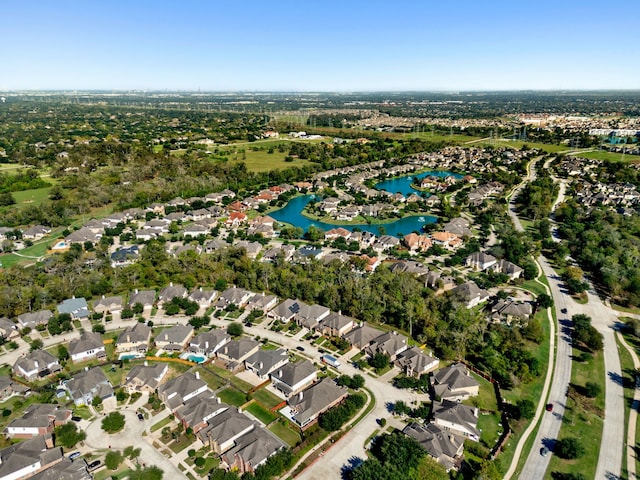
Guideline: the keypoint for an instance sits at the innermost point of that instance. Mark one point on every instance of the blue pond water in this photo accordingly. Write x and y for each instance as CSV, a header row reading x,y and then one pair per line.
x,y
292,212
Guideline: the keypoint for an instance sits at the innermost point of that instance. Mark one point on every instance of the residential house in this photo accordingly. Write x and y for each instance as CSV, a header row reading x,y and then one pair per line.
x,y
285,311
26,459
224,429
441,283
76,307
215,245
251,450
37,419
36,232
82,236
309,404
508,268
236,219
469,293
237,351
134,339
510,310
263,362
409,266
204,298
108,304
329,205
454,383
195,230
252,249
337,233
208,343
88,384
125,256
36,365
417,243
415,362
480,261
290,378
386,242
9,388
446,240
309,316
170,292
362,335
145,378
33,319
146,298
389,343
261,302
233,296
458,226
8,329
439,444
336,325
181,389
197,411
457,418
283,251
88,346
174,339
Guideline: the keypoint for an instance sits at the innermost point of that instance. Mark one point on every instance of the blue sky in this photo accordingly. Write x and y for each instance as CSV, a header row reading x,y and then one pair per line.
x,y
320,45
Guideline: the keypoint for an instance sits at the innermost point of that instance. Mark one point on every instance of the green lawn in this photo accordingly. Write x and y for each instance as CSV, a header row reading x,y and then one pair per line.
x,y
162,423
261,413
486,399
628,382
286,434
241,384
609,156
582,424
232,396
214,381
490,429
260,160
33,197
219,371
266,398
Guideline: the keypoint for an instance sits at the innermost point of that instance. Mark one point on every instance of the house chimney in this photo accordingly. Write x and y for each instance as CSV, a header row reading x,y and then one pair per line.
x,y
146,364
86,369
280,373
35,362
300,396
197,375
200,288
261,365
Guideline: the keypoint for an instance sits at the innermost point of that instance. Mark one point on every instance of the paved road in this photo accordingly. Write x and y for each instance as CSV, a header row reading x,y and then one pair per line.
x,y
536,465
633,414
613,431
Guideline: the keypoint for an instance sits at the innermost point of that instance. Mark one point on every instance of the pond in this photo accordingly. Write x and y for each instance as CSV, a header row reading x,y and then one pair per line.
x,y
292,214
403,184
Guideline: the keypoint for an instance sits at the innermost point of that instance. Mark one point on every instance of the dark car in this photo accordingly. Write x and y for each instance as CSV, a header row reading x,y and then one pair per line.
x,y
549,407
94,464
76,419
300,348
544,451
140,416
564,310
74,455
248,324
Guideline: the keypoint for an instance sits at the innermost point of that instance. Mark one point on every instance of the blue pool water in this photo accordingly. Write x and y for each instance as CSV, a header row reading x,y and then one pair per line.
x,y
129,356
196,358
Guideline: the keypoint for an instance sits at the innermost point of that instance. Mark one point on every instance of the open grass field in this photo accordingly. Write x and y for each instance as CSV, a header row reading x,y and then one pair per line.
x,y
580,423
33,197
213,381
241,385
628,382
611,157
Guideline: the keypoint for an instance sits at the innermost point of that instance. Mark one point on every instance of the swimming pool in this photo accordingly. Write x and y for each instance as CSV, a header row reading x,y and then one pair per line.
x,y
196,358
130,356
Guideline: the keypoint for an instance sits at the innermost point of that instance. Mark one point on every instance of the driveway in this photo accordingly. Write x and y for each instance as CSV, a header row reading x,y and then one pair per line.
x,y
131,435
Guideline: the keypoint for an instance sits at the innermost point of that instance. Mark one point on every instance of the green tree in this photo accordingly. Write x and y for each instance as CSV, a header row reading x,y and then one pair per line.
x,y
37,344
131,452
592,389
147,473
113,459
68,435
379,361
524,408
114,422
569,448
96,401
63,353
235,329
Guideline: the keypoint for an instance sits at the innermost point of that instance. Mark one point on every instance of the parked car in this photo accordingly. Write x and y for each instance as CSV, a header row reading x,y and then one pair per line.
x,y
140,416
93,465
301,349
544,451
76,419
564,310
74,455
549,407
